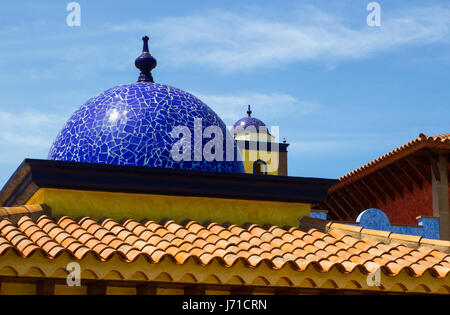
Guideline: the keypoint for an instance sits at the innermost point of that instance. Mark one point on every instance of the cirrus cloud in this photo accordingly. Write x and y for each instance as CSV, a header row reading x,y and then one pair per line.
x,y
270,106
232,42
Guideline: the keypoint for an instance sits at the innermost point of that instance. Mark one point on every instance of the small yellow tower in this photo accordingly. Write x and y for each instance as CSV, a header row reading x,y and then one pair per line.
x,y
260,151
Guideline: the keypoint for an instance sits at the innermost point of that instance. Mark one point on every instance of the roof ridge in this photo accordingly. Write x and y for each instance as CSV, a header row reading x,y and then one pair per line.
x,y
15,213
421,140
386,237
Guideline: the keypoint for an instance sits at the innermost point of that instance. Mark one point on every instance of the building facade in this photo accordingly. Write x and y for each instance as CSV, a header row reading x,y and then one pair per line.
x,y
129,202
408,183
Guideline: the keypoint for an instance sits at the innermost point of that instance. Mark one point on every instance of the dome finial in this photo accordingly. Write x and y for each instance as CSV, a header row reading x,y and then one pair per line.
x,y
145,40
146,63
249,111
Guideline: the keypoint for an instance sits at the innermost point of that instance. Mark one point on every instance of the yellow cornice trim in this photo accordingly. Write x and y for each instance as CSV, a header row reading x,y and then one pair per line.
x,y
117,205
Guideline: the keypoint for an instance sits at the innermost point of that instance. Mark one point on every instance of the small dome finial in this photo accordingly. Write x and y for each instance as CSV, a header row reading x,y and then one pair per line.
x,y
145,40
249,111
146,63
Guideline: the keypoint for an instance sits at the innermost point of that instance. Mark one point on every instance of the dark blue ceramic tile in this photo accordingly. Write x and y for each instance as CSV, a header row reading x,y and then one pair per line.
x,y
131,124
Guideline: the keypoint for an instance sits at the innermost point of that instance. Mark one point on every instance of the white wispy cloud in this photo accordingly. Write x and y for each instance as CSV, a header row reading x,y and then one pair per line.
x,y
27,133
270,106
232,41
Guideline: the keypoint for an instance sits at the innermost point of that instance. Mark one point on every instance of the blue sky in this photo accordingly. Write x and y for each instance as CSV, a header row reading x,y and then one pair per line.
x,y
343,93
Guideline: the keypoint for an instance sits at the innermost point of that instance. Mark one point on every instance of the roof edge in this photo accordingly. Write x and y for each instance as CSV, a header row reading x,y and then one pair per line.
x,y
423,141
34,174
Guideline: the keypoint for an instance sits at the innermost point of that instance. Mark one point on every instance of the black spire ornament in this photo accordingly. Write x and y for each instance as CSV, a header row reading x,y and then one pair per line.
x,y
249,111
146,63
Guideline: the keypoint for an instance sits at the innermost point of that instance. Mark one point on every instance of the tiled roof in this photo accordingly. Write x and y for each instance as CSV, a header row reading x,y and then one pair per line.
x,y
441,141
15,213
253,245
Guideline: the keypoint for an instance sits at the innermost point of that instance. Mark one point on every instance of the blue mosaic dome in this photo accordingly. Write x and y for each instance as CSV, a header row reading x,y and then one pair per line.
x,y
248,121
131,124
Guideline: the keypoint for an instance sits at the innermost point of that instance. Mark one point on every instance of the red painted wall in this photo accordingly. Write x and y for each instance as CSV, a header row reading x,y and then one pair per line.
x,y
405,210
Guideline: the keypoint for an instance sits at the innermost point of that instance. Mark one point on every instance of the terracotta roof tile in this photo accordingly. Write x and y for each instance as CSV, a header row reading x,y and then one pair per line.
x,y
439,255
253,244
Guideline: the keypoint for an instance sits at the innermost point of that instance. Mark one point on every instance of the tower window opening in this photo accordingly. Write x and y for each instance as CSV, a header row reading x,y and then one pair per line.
x,y
260,168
